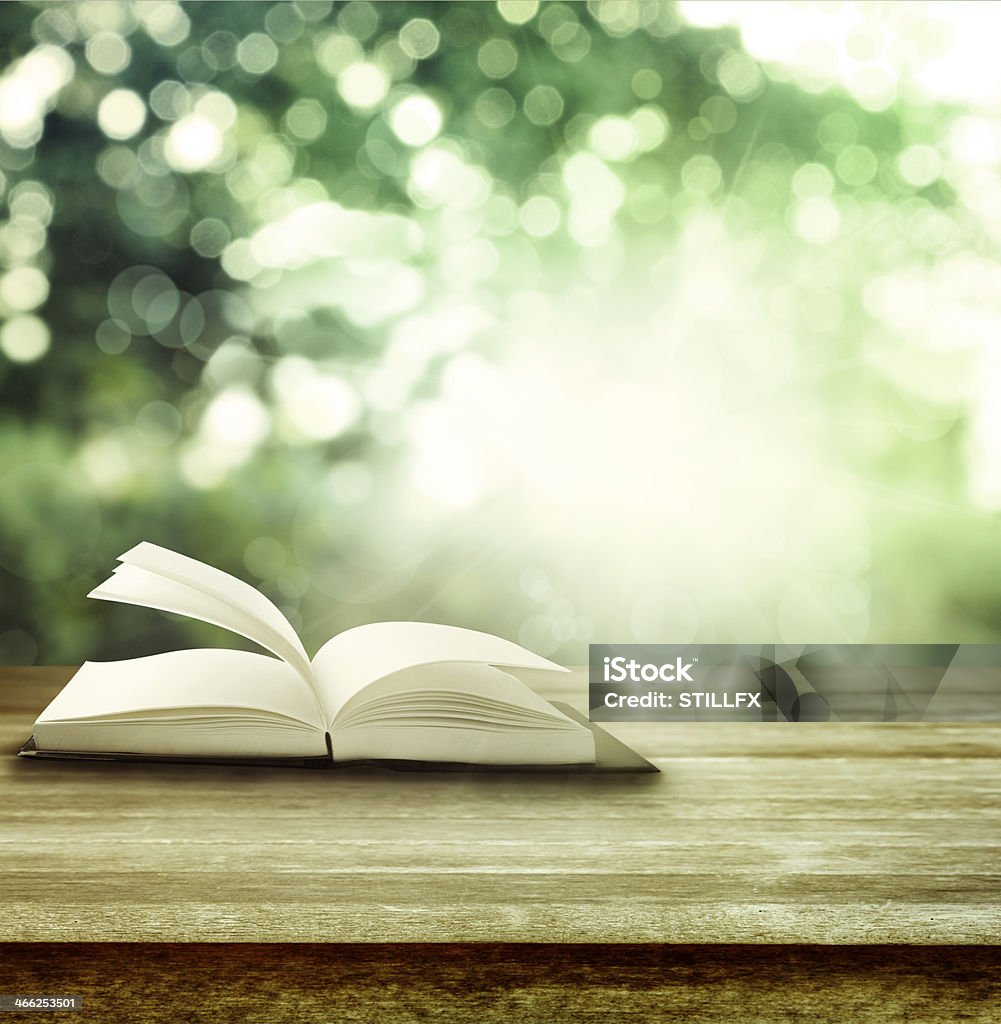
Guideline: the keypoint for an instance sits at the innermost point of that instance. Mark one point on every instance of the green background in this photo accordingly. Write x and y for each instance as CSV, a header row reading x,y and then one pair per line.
x,y
576,322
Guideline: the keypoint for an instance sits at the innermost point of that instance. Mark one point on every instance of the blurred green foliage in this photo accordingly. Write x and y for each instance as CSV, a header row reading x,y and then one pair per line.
x,y
566,321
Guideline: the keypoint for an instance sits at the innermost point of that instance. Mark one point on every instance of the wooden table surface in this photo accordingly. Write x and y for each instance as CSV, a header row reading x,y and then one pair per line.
x,y
753,833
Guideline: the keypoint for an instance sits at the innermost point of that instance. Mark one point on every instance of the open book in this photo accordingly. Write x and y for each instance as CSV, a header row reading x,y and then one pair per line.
x,y
388,692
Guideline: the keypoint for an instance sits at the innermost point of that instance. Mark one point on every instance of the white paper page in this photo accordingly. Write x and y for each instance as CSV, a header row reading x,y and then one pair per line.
x,y
231,738
213,581
193,680
359,656
131,584
210,580
468,689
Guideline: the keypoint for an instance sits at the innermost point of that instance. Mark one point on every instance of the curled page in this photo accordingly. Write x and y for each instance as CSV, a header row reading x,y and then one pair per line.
x,y
156,577
353,659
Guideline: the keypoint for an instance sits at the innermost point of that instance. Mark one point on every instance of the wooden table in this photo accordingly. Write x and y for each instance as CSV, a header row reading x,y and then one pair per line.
x,y
764,840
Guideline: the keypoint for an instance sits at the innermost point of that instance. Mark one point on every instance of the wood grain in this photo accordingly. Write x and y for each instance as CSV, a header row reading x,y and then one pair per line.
x,y
493,983
766,833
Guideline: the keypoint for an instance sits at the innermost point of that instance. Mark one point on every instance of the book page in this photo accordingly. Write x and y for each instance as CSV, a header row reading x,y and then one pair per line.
x,y
155,577
471,746
184,682
211,703
357,657
459,690
457,712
